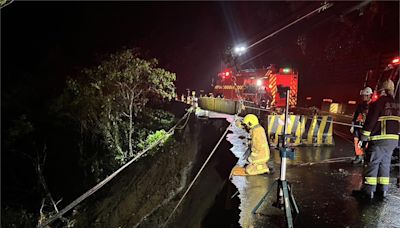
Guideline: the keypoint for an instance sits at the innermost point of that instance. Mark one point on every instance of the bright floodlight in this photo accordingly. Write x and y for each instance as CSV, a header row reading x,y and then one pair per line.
x,y
240,50
259,82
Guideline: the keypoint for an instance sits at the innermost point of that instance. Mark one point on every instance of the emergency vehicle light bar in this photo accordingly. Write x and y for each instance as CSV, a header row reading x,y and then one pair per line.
x,y
285,70
225,74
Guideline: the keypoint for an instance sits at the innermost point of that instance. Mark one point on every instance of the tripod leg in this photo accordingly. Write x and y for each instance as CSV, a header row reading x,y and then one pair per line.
x,y
264,197
279,196
286,201
293,201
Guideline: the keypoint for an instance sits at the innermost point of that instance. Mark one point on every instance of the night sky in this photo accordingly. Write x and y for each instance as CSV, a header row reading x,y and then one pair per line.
x,y
47,41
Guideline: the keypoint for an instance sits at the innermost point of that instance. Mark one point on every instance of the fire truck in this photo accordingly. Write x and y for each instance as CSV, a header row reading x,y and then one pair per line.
x,y
391,72
263,87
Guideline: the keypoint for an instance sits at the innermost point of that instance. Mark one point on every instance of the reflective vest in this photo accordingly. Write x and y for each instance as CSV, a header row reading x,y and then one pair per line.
x,y
360,113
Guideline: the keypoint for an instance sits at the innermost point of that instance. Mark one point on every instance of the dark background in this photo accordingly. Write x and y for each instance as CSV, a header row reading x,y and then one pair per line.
x,y
49,40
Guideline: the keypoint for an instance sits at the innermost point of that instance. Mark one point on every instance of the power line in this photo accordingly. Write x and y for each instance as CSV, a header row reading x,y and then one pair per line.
x,y
324,7
360,5
254,57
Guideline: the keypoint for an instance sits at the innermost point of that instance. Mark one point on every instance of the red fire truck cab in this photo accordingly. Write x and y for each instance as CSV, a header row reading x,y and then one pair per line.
x,y
392,72
261,86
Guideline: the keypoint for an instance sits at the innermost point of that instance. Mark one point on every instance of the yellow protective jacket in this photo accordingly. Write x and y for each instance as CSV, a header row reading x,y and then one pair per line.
x,y
259,146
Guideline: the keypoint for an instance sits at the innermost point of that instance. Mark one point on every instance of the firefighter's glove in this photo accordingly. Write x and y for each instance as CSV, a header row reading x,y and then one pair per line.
x,y
238,123
352,127
362,144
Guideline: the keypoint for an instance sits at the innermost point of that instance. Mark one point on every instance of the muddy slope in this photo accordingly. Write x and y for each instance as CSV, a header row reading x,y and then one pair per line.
x,y
146,192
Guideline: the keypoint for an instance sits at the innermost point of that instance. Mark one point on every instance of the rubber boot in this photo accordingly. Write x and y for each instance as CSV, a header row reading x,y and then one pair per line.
x,y
358,160
382,195
256,168
360,194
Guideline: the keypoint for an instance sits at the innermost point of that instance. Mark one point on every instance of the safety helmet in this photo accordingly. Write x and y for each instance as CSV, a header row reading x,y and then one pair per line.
x,y
250,120
366,91
387,85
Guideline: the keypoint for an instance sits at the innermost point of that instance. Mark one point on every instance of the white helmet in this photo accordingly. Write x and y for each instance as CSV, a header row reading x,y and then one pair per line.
x,y
366,91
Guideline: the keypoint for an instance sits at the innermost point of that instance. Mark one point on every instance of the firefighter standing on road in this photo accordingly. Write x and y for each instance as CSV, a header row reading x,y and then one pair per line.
x,y
381,129
359,119
260,152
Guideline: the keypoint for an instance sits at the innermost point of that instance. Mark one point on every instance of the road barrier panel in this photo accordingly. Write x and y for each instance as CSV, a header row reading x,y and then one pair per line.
x,y
207,103
301,129
318,131
225,106
276,126
218,105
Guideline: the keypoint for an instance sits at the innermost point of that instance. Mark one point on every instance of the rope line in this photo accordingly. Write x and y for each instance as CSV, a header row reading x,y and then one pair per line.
x,y
211,154
261,109
197,175
107,179
330,160
346,124
339,123
184,125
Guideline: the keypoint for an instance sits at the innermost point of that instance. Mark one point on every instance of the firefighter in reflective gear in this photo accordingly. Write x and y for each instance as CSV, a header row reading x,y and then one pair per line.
x,y
358,119
381,129
260,153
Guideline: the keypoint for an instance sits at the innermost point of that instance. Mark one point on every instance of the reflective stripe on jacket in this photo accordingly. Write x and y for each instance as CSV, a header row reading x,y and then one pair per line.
x,y
383,120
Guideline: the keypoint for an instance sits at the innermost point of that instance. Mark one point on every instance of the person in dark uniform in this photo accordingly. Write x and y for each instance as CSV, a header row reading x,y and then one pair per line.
x,y
358,120
381,130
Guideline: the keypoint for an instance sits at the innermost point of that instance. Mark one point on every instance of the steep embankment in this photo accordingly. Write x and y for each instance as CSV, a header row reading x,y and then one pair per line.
x,y
146,192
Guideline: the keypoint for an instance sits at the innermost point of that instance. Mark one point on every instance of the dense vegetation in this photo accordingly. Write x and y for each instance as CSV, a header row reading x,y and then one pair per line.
x,y
65,144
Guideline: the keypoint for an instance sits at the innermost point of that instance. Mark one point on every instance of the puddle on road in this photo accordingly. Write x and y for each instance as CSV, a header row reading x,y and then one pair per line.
x,y
322,191
251,189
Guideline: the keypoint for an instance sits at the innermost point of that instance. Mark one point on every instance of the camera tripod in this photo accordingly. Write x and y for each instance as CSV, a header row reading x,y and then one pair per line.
x,y
284,196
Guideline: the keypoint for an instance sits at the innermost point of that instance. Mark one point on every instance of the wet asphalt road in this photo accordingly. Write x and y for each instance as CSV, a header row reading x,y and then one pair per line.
x,y
322,191
321,186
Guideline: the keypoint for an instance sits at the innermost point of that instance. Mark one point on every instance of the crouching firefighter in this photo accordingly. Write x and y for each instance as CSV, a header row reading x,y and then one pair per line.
x,y
381,129
259,149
